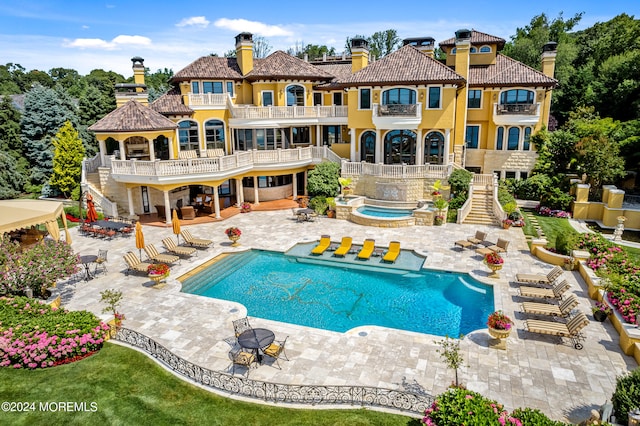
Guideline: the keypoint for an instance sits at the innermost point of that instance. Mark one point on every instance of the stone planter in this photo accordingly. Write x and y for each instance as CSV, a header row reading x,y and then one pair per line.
x,y
494,270
234,240
499,340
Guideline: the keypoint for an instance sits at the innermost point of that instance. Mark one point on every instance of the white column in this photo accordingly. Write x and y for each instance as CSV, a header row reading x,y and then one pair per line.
x,y
152,154
305,182
447,146
379,149
130,201
295,185
419,148
170,142
239,192
167,208
122,151
352,150
103,148
256,199
216,202
318,136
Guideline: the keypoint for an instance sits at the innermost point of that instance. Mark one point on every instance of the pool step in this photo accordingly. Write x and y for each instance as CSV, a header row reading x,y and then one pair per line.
x,y
220,271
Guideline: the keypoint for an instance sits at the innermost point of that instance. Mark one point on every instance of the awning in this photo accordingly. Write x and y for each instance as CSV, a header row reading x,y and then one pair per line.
x,y
18,214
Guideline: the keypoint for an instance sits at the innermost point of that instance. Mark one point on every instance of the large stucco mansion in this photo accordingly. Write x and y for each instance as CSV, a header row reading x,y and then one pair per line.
x,y
248,129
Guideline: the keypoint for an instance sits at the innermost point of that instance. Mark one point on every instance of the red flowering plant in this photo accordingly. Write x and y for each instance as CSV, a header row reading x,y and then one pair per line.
x,y
493,258
233,232
499,321
158,269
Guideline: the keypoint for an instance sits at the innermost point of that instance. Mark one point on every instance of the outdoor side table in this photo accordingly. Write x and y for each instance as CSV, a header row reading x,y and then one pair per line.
x,y
86,261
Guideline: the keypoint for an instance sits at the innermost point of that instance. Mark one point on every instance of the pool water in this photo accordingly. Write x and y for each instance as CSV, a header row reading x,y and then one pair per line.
x,y
286,288
383,212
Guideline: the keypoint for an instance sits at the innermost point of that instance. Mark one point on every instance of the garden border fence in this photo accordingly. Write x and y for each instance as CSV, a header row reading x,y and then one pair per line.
x,y
365,396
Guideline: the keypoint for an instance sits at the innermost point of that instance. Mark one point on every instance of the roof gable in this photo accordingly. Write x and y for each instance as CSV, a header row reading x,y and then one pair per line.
x,y
132,117
508,72
280,65
171,103
210,67
406,65
477,38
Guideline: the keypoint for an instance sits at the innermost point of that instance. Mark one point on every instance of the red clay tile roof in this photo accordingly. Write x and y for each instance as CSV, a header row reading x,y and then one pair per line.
x,y
171,103
406,65
341,71
477,38
508,72
132,117
280,65
210,67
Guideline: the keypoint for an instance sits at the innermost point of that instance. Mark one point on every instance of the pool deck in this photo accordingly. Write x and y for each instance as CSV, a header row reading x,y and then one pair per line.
x,y
535,371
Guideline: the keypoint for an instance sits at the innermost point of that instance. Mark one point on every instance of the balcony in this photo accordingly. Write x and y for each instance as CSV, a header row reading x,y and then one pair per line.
x,y
397,171
514,114
287,115
195,169
397,116
207,100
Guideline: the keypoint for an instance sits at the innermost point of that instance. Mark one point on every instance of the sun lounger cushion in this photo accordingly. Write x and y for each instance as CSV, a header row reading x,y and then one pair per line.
x,y
367,249
563,310
344,248
478,238
392,254
156,256
322,246
571,329
171,246
540,278
134,263
196,242
555,292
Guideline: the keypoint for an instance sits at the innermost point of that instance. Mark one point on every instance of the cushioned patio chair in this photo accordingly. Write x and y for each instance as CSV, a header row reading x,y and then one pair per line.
x,y
156,256
345,246
572,329
500,246
562,310
188,212
392,254
135,264
555,292
242,358
195,242
479,238
172,247
543,279
367,249
323,245
101,261
276,351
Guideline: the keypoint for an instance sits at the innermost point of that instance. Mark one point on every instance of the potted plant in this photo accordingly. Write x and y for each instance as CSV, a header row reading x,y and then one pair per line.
x,y
331,207
601,311
245,207
440,204
112,299
158,269
233,234
506,223
438,187
344,183
494,261
569,263
499,325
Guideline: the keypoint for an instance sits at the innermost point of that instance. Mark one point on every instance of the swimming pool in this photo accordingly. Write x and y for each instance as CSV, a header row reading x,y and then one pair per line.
x,y
383,212
289,289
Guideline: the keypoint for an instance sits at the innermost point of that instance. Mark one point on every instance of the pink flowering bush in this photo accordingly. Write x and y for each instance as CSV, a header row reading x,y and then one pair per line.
x,y
458,406
546,211
35,335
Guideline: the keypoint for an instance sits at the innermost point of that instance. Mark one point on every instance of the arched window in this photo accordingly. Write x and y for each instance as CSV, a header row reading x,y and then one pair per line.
x,y
161,147
485,49
368,147
399,97
434,148
473,49
188,135
500,138
400,147
517,96
112,145
295,95
214,134
513,138
526,143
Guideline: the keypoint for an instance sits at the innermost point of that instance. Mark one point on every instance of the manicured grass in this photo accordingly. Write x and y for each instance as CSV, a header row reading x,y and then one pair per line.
x,y
552,226
130,389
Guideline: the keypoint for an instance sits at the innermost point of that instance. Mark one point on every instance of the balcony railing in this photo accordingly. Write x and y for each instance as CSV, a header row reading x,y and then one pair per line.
x,y
207,99
280,112
393,110
522,109
395,170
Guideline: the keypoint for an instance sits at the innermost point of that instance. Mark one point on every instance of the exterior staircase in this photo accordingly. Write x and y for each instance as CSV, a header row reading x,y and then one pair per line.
x,y
481,212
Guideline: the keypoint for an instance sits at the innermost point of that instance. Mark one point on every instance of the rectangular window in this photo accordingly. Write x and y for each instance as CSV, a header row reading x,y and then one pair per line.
x,y
317,99
526,145
195,87
300,135
472,137
524,175
510,175
244,139
230,88
211,87
434,97
337,98
267,98
365,98
497,173
475,98
500,138
331,135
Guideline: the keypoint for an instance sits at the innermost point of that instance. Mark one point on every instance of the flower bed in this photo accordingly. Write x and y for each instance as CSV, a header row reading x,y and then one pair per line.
x,y
36,335
546,211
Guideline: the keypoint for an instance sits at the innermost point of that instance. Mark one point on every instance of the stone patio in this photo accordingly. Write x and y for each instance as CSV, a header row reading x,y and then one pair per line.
x,y
535,371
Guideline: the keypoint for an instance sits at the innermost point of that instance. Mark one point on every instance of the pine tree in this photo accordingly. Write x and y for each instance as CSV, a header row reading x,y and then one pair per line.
x,y
67,159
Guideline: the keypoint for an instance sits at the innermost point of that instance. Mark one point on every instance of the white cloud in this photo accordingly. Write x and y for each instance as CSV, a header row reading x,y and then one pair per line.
x,y
117,42
253,27
195,21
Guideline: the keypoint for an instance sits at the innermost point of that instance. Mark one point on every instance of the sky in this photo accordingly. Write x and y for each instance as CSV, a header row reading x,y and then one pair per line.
x,y
106,34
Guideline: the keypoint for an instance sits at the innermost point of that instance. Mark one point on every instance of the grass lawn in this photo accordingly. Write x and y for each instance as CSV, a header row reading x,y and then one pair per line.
x,y
130,389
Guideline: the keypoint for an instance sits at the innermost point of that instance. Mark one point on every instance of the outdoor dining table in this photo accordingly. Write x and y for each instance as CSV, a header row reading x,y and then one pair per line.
x,y
110,224
256,339
305,214
87,260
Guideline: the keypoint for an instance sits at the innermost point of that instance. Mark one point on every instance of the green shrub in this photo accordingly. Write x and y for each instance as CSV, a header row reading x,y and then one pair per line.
x,y
459,181
319,204
556,199
323,179
566,242
627,394
533,187
534,417
463,407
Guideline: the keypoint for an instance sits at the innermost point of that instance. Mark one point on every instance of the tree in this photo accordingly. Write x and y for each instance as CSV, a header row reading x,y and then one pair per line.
x,y
13,165
382,43
67,159
11,178
313,51
261,47
450,353
323,180
347,44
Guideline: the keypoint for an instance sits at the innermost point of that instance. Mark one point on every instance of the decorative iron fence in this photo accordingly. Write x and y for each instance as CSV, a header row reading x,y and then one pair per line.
x,y
365,396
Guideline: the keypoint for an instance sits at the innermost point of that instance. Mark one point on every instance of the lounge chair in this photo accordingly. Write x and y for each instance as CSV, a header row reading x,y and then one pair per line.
x,y
500,246
172,247
344,248
367,249
547,279
323,245
572,329
156,256
479,238
195,242
562,310
392,254
554,292
135,264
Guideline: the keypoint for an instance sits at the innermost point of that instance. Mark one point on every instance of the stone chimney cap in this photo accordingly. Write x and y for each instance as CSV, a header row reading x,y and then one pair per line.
x,y
463,34
244,37
550,46
137,60
359,42
419,41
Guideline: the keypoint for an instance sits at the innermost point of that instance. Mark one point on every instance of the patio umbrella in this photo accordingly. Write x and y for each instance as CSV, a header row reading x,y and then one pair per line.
x,y
176,225
139,238
92,215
